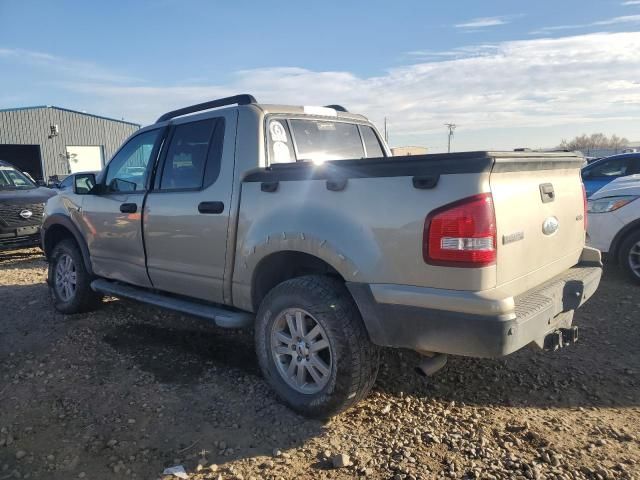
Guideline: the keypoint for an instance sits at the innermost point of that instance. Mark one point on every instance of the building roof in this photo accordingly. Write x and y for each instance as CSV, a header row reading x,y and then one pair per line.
x,y
67,110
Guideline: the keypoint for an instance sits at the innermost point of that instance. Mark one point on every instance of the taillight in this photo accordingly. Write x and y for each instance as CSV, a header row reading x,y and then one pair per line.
x,y
461,234
585,220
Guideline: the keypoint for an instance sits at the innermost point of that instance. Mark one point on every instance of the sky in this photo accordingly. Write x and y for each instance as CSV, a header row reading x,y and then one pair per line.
x,y
509,73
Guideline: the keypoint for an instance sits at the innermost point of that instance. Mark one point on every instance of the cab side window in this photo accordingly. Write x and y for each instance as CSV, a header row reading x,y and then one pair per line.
x,y
128,170
194,155
371,142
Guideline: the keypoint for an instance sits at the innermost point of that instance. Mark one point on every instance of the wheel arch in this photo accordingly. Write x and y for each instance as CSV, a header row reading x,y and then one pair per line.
x,y
620,237
57,228
283,265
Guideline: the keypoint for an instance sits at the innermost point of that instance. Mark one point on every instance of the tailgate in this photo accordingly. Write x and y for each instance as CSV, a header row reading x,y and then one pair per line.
x,y
539,209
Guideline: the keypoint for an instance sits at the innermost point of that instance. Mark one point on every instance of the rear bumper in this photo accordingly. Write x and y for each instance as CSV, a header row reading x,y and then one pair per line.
x,y
475,327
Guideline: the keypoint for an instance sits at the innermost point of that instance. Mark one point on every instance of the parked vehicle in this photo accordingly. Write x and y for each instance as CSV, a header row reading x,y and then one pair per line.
x,y
21,208
69,181
298,222
600,172
614,223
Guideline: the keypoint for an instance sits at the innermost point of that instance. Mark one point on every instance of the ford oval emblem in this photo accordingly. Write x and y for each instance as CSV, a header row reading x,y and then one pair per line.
x,y
26,214
550,225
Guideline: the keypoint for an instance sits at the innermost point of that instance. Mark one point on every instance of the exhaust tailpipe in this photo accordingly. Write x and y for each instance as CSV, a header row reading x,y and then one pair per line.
x,y
431,365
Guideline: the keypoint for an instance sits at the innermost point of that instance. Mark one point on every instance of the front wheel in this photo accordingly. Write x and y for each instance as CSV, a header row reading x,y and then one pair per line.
x,y
630,256
69,281
313,348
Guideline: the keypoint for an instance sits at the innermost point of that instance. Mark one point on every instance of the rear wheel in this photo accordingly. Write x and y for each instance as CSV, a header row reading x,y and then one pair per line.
x,y
312,346
69,281
630,256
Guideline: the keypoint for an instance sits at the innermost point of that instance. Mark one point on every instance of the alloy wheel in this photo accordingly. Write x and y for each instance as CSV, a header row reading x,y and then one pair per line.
x,y
65,277
300,348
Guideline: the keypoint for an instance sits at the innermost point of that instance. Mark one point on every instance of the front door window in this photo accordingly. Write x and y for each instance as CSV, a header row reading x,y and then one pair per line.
x,y
127,171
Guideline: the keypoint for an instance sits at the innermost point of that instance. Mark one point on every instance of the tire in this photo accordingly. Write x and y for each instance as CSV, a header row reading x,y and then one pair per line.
x,y
629,256
66,260
351,358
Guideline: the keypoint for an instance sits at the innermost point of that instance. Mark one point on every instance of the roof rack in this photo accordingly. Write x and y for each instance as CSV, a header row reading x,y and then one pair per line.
x,y
339,108
244,99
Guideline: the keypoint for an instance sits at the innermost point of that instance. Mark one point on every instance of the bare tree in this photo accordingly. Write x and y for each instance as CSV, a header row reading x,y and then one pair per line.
x,y
595,141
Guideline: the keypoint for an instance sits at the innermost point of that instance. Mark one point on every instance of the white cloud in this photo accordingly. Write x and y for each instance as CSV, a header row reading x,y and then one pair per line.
x,y
631,2
65,66
540,85
483,22
625,19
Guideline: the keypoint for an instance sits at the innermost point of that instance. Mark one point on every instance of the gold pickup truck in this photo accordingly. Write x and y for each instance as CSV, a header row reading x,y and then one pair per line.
x,y
297,222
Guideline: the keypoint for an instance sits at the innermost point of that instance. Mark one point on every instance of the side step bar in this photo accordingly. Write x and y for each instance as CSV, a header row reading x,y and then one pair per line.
x,y
220,316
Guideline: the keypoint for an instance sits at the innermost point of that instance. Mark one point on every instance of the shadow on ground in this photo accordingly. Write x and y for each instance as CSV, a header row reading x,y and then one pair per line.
x,y
600,370
179,355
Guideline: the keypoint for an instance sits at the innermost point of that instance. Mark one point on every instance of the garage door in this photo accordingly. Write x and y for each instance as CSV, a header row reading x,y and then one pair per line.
x,y
85,158
26,158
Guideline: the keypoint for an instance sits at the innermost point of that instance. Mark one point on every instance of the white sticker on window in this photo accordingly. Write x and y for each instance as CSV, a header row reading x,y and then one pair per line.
x,y
278,133
281,153
326,126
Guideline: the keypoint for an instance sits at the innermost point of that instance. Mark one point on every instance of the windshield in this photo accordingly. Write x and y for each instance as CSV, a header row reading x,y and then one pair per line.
x,y
10,178
318,141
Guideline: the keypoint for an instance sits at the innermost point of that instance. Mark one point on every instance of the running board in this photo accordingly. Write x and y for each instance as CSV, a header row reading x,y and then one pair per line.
x,y
220,316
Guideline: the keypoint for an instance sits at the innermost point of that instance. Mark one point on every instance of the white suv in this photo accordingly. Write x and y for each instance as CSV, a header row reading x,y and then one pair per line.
x,y
614,223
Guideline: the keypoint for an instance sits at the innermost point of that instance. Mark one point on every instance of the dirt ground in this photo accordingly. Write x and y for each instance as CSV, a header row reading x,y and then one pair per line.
x,y
128,390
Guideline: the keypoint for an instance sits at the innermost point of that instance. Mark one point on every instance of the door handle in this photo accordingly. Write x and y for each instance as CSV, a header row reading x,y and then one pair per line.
x,y
128,208
211,207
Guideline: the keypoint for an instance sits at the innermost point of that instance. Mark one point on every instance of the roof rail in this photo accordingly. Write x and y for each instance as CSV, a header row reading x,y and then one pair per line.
x,y
243,99
339,108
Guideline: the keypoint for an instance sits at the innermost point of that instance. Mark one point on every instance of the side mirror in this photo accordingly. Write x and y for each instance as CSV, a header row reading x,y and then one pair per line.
x,y
83,183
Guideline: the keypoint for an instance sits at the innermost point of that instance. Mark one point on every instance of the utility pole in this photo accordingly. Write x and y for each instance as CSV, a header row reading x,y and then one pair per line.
x,y
451,127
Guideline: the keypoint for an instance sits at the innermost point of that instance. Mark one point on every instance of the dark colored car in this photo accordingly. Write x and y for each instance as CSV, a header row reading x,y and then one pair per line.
x,y
600,172
21,208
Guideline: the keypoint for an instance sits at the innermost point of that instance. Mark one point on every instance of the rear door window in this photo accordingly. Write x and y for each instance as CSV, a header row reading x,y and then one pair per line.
x,y
195,151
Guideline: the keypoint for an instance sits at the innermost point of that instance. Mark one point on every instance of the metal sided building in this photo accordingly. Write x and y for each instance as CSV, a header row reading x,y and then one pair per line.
x,y
45,141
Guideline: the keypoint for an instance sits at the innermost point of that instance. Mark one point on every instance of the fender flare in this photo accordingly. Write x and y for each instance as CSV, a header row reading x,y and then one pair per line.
x,y
65,222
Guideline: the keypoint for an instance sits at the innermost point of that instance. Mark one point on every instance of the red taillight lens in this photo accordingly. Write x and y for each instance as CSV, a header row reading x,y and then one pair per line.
x,y
461,234
585,220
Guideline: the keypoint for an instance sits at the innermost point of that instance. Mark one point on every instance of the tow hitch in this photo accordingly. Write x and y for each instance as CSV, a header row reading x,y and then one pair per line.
x,y
560,338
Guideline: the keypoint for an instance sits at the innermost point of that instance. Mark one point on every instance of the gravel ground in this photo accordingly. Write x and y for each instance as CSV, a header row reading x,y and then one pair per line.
x,y
128,390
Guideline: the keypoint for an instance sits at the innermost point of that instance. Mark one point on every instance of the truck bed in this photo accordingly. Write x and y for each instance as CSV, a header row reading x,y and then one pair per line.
x,y
367,216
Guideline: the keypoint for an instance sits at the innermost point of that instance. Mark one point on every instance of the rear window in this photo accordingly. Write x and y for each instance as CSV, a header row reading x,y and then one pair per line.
x,y
320,140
